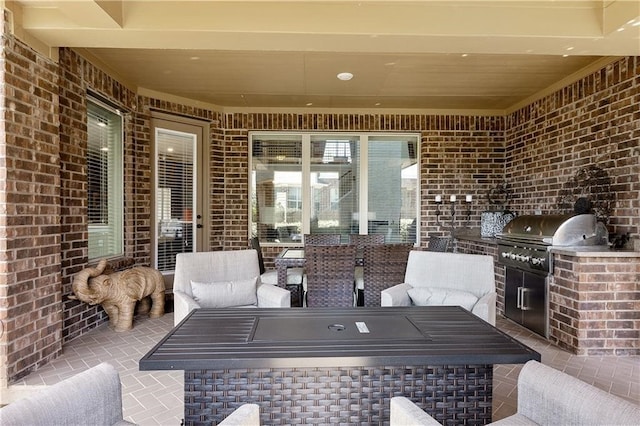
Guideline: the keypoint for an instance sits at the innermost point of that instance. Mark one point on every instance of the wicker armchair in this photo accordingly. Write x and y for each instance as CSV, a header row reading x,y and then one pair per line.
x,y
218,279
321,239
92,397
447,279
384,266
330,275
546,396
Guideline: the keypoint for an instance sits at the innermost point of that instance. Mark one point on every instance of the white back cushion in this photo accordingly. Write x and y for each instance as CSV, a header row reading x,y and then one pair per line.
x,y
458,271
433,296
214,266
225,294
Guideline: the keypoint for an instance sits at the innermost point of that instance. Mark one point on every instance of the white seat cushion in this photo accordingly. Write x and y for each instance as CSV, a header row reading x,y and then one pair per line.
x,y
294,276
428,296
225,294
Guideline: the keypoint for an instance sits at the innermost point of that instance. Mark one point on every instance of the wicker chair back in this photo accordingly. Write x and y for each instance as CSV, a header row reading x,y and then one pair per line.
x,y
255,244
438,243
384,266
330,275
361,241
321,239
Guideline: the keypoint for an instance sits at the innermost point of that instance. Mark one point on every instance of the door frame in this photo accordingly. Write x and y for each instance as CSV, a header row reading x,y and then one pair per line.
x,y
201,217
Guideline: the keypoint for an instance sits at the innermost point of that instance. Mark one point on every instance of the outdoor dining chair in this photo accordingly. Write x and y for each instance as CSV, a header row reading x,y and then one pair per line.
x,y
321,239
384,266
330,275
360,241
295,276
438,243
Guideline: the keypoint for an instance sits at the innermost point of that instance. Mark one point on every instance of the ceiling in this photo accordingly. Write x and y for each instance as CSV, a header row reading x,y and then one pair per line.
x,y
485,56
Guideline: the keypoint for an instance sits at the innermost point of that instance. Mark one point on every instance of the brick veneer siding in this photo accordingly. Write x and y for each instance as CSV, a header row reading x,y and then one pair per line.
x,y
595,305
30,297
594,121
77,77
459,155
489,248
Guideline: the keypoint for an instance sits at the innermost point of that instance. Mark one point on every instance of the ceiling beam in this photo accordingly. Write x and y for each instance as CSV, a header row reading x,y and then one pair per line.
x,y
585,27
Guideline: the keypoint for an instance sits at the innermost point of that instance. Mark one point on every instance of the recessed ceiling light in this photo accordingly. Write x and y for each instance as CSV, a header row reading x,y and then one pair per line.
x,y
194,58
570,48
377,104
464,55
309,103
345,76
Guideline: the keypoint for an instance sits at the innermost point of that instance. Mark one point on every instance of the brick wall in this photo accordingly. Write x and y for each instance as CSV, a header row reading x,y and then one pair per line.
x,y
592,122
77,77
482,247
594,304
460,155
30,298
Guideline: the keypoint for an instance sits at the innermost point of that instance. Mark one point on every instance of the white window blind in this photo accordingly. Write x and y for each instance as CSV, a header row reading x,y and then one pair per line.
x,y
104,181
175,187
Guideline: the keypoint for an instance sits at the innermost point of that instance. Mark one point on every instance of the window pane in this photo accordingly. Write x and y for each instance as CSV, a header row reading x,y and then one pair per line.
x,y
276,199
334,184
104,179
174,195
392,187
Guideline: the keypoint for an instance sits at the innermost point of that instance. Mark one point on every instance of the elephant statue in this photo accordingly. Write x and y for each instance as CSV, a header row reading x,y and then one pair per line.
x,y
119,292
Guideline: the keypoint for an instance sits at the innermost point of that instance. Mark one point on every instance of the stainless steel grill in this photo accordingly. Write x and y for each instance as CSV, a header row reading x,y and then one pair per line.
x,y
524,248
525,241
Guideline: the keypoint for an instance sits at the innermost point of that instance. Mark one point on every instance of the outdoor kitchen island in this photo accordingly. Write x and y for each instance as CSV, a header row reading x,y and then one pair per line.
x,y
336,366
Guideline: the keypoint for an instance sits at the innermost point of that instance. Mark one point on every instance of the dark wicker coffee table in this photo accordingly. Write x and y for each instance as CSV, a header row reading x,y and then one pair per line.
x,y
336,366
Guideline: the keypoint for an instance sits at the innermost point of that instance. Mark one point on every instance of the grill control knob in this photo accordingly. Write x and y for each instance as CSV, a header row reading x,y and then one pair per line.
x,y
512,256
537,260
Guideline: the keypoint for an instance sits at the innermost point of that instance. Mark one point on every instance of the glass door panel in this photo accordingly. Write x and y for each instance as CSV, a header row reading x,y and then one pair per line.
x,y
276,199
175,195
392,187
334,181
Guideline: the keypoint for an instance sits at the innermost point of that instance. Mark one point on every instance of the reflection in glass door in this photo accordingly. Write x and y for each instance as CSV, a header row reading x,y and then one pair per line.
x,y
175,200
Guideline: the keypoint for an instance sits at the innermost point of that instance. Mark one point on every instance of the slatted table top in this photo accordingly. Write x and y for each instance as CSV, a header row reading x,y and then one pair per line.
x,y
333,337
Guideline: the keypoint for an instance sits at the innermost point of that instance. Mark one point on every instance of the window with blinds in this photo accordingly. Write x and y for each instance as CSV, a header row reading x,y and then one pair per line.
x,y
175,195
104,181
334,183
334,188
276,208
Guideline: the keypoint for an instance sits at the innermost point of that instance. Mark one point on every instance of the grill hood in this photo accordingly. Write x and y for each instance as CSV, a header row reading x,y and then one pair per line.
x,y
556,230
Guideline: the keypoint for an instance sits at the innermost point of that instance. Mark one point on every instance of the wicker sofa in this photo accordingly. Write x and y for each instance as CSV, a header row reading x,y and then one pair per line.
x,y
546,396
436,278
93,397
